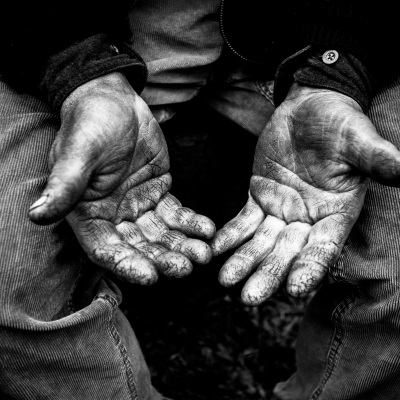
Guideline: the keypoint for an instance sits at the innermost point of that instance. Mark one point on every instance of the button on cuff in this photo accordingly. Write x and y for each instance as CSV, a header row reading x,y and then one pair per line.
x,y
330,57
114,49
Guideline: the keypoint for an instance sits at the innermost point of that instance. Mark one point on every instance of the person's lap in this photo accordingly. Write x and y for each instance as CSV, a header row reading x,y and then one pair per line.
x,y
61,333
348,346
60,319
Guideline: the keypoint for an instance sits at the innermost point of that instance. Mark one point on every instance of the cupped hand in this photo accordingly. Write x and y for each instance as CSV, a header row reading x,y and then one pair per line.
x,y
109,175
307,190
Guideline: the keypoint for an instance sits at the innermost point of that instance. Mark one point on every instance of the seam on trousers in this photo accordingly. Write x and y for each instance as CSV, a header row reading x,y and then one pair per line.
x,y
70,303
119,344
336,344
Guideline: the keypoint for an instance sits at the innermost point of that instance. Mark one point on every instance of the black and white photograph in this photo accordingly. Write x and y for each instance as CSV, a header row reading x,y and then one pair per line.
x,y
200,200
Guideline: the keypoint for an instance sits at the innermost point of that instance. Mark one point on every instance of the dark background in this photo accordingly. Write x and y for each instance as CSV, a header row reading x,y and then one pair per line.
x,y
199,340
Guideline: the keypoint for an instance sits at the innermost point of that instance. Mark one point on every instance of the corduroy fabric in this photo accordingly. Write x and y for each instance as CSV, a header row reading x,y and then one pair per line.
x,y
349,347
61,333
52,346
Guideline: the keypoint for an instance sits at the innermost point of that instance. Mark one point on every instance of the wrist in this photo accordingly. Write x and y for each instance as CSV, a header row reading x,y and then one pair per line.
x,y
338,71
299,93
113,87
312,67
87,60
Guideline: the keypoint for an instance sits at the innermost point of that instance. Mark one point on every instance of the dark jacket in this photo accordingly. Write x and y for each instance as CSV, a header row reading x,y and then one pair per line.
x,y
370,30
52,49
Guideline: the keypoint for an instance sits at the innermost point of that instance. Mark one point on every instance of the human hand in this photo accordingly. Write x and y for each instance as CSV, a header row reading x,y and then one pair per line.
x,y
306,192
109,173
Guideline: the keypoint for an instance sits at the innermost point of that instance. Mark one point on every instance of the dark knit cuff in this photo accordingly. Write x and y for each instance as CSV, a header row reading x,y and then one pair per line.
x,y
346,75
86,60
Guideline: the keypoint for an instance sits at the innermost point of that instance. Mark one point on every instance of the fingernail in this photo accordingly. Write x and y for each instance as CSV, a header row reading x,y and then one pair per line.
x,y
39,203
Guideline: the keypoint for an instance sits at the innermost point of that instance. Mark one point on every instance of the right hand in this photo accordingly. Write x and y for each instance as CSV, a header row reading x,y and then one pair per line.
x,y
109,175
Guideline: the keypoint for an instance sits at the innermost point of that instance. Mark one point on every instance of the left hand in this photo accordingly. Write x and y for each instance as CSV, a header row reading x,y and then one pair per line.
x,y
308,186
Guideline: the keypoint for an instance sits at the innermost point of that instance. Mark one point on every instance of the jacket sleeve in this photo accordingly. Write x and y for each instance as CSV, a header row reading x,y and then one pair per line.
x,y
364,33
49,49
367,29
346,75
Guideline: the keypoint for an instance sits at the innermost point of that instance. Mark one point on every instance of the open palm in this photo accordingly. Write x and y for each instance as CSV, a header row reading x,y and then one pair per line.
x,y
109,173
307,190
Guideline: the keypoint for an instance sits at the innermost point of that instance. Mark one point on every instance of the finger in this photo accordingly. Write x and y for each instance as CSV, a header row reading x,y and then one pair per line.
x,y
141,198
66,184
247,257
239,229
194,249
169,263
155,231
152,226
105,247
130,233
184,219
278,199
275,267
371,154
324,246
126,262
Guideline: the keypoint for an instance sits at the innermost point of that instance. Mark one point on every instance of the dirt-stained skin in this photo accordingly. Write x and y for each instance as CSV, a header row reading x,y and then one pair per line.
x,y
109,174
308,186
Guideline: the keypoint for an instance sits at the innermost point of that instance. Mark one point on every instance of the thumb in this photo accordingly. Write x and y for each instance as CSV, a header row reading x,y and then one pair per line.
x,y
66,184
373,155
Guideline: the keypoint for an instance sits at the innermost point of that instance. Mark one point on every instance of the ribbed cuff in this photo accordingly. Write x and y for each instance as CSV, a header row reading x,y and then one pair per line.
x,y
347,75
93,57
335,35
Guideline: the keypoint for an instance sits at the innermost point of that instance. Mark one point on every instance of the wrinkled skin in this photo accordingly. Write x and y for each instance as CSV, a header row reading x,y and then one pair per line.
x,y
307,190
109,174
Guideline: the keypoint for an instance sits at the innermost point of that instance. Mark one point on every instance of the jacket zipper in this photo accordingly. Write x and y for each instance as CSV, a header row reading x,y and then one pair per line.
x,y
223,33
